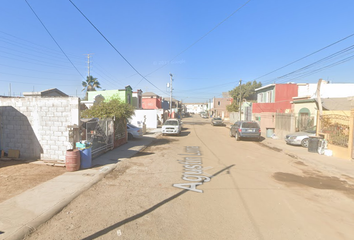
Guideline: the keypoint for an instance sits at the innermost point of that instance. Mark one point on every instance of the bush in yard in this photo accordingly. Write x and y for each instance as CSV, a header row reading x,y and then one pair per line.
x,y
114,108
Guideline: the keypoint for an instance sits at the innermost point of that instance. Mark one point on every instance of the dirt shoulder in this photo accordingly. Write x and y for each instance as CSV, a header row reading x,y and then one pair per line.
x,y
19,176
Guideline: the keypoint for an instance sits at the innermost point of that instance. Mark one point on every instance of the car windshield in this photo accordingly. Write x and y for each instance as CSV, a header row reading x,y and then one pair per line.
x,y
217,118
311,130
131,126
174,123
250,125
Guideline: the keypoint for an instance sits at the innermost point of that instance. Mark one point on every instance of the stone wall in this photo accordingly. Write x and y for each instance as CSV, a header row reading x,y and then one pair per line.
x,y
38,126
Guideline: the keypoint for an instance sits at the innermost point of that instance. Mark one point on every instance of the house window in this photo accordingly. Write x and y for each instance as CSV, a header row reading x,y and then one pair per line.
x,y
269,96
218,103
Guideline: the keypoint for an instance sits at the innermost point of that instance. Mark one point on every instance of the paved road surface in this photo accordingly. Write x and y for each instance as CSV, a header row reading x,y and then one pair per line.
x,y
248,192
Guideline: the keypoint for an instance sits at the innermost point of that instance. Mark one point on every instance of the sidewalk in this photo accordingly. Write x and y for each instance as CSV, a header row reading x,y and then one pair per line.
x,y
25,212
331,165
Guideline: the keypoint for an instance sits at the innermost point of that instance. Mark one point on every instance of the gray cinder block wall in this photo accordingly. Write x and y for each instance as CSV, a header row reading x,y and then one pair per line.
x,y
38,126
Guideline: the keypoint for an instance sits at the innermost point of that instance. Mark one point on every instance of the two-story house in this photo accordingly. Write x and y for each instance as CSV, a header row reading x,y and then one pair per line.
x,y
151,100
219,105
271,99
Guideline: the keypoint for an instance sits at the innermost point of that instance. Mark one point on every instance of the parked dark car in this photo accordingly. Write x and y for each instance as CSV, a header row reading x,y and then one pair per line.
x,y
245,129
216,121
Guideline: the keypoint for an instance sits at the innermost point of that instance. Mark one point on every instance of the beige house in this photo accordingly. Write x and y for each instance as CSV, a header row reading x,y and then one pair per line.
x,y
219,106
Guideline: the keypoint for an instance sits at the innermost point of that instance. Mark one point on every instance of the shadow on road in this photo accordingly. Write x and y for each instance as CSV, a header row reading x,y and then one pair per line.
x,y
147,211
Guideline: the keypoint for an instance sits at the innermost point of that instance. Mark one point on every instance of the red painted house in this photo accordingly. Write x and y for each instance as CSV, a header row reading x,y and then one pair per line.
x,y
271,99
275,98
151,101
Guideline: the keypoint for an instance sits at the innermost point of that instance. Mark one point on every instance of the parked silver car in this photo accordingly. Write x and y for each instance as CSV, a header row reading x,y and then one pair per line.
x,y
300,138
134,131
245,129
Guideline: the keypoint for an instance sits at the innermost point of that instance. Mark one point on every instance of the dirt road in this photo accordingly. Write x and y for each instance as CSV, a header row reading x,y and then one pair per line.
x,y
205,185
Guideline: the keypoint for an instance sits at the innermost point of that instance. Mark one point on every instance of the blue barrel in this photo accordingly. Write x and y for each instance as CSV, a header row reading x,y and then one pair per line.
x,y
86,158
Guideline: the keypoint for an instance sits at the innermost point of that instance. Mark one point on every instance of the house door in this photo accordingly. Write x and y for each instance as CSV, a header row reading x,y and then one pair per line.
x,y
304,119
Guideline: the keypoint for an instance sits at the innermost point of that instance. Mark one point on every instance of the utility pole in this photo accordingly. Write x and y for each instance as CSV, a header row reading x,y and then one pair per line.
x,y
240,98
319,101
171,92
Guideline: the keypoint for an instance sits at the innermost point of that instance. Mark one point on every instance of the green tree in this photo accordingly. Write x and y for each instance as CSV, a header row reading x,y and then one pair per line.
x,y
245,91
113,108
90,84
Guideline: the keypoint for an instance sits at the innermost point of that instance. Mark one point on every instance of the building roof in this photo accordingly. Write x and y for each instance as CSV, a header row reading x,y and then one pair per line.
x,y
333,104
266,86
167,99
53,92
150,94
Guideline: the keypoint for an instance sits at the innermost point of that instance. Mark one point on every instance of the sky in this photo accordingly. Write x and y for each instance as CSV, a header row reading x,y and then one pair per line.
x,y
208,46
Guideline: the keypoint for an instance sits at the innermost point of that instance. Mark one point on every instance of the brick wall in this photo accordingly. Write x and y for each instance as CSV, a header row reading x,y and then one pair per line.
x,y
37,126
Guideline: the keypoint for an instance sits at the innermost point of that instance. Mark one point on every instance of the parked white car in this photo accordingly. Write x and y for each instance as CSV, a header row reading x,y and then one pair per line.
x,y
134,131
172,126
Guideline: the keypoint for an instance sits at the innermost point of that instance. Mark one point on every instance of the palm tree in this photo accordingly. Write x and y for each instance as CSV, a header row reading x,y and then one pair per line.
x,y
90,84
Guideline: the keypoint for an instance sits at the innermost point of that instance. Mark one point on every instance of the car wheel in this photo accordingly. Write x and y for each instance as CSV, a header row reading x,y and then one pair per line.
x,y
230,134
130,136
237,137
305,143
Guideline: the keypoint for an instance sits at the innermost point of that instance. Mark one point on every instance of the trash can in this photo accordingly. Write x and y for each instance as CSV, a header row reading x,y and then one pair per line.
x,y
86,158
313,144
85,154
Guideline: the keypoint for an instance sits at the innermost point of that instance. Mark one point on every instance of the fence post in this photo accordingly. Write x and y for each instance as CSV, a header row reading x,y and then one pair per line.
x,y
351,133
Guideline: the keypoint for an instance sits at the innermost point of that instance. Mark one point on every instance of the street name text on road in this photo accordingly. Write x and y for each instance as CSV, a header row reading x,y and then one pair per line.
x,y
193,170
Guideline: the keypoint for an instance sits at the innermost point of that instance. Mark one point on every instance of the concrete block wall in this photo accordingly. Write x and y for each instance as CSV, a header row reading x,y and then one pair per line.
x,y
149,116
37,126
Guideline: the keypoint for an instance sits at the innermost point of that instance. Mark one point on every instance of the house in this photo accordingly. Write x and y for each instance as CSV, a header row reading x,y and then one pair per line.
x,y
41,125
305,105
151,100
125,95
176,104
271,99
219,105
196,107
137,99
53,92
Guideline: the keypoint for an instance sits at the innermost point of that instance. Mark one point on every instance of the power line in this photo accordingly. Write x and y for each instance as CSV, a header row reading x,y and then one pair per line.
x,y
301,71
321,49
53,39
114,47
